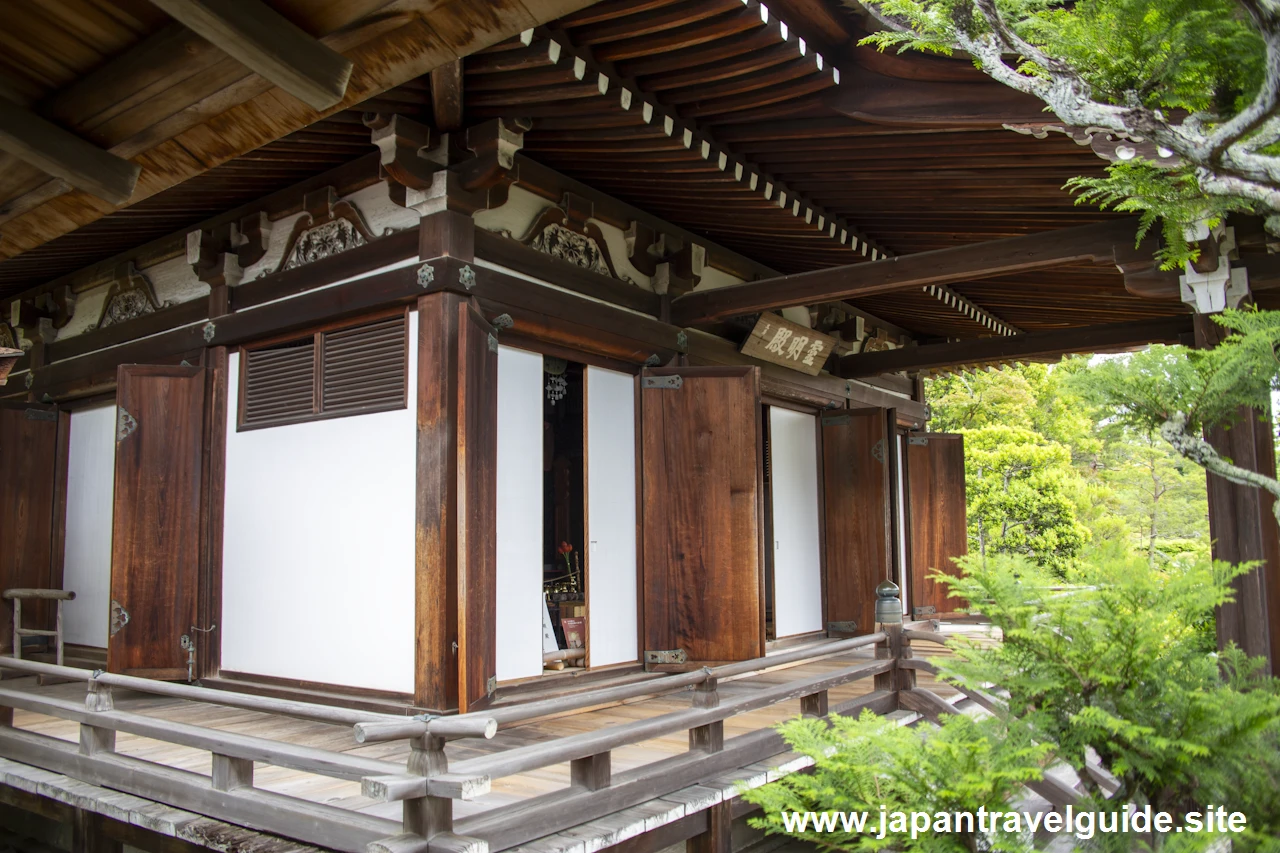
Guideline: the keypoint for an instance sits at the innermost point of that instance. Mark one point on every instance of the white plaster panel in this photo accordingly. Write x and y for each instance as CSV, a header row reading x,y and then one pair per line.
x,y
612,628
318,575
797,566
519,517
86,566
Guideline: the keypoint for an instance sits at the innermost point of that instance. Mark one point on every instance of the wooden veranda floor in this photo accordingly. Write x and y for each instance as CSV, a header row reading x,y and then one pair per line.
x,y
505,791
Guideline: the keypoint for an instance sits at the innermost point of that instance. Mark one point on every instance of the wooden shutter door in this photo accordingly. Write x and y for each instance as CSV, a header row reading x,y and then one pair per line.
x,y
155,541
938,524
477,509
32,481
702,505
856,495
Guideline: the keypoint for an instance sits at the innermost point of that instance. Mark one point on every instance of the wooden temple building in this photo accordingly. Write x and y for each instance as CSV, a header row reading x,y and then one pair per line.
x,y
444,367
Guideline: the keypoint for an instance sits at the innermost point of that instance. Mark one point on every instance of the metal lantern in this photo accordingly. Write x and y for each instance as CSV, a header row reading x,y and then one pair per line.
x,y
888,605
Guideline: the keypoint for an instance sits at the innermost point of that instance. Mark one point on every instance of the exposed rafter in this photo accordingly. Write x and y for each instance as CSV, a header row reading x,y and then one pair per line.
x,y
262,39
1084,244
1025,347
654,112
64,155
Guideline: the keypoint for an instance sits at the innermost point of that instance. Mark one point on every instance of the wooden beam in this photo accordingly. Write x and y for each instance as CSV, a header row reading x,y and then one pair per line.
x,y
262,39
880,99
446,96
1083,244
62,154
1027,346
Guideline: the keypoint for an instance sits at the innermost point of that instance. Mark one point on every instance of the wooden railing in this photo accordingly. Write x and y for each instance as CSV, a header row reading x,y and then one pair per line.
x,y
427,785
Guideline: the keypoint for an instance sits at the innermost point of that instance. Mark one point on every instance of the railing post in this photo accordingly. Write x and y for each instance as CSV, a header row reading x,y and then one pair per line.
x,y
718,837
591,773
96,739
814,705
708,738
230,773
428,816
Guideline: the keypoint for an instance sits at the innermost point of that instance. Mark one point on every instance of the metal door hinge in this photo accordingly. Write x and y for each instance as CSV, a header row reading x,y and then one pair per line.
x,y
125,424
493,342
41,415
664,656
850,627
491,686
672,382
926,610
189,646
503,322
836,420
918,440
877,451
119,617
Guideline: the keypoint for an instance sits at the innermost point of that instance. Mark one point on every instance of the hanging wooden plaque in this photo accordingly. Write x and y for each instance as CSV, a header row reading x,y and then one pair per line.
x,y
789,344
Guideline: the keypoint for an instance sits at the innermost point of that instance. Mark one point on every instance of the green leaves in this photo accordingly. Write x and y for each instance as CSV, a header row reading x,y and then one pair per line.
x,y
865,763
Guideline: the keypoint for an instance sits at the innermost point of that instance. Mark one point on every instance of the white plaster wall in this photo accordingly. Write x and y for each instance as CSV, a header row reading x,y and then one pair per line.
x,y
319,547
86,566
797,566
611,517
519,519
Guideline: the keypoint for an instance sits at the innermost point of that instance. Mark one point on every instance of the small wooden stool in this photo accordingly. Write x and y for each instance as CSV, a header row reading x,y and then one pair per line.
x,y
17,596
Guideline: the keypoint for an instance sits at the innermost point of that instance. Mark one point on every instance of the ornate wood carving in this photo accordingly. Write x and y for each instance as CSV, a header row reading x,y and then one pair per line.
x,y
564,232
329,227
131,296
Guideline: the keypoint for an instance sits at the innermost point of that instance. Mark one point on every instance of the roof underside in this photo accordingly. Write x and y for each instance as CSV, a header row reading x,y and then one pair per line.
x,y
719,68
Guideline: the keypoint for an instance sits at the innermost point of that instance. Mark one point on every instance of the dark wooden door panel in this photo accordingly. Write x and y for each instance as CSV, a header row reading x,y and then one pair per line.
x,y
857,523
938,523
477,509
155,542
702,510
31,447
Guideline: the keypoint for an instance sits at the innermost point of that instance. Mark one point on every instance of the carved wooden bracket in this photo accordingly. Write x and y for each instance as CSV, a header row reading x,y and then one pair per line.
x,y
130,296
430,171
220,255
675,265
328,227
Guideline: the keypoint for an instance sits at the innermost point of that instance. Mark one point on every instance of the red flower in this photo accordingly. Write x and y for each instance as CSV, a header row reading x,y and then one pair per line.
x,y
565,548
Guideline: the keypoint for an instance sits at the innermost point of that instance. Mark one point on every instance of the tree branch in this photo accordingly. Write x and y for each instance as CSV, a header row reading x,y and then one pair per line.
x,y
1201,452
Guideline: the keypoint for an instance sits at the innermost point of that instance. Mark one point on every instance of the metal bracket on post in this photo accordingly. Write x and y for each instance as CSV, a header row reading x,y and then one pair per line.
x,y
671,382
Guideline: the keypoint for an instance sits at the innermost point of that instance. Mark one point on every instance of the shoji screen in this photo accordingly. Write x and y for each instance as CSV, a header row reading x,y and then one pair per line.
x,y
520,474
611,517
86,568
797,562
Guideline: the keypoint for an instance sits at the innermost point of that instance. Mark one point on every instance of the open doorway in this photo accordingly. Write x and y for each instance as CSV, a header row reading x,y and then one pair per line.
x,y
567,595
564,578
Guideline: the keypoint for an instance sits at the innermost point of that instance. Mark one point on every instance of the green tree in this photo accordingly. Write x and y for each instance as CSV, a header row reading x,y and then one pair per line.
x,y
1020,500
1196,80
1126,667
1123,668
1177,393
